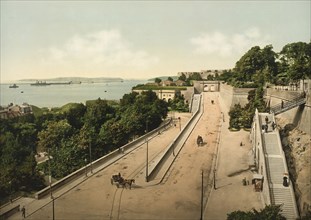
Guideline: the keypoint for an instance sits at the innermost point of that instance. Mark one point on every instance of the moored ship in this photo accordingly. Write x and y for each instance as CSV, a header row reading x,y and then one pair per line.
x,y
13,86
40,83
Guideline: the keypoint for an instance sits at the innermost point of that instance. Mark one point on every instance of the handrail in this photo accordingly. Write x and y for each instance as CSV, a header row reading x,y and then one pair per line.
x,y
284,106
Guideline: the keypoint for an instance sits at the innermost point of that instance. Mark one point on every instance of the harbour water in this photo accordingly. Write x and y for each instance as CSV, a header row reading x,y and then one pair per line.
x,y
59,95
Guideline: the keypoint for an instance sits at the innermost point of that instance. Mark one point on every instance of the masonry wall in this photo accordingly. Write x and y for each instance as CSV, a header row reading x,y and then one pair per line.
x,y
232,96
299,116
259,157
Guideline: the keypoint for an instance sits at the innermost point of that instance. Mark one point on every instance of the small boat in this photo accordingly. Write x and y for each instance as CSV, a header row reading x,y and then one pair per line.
x,y
13,86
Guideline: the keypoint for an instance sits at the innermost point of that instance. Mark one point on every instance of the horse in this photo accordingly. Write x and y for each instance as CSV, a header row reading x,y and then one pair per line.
x,y
128,182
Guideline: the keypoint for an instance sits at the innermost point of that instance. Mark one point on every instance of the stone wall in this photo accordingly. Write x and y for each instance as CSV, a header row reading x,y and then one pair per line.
x,y
300,116
232,96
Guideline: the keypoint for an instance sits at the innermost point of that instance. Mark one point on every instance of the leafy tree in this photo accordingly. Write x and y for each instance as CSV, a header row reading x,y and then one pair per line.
x,y
195,76
17,165
178,103
55,131
270,212
98,113
182,77
235,114
296,60
170,79
157,80
128,99
75,115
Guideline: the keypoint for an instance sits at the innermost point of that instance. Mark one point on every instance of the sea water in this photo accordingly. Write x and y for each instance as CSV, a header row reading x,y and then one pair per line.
x,y
59,95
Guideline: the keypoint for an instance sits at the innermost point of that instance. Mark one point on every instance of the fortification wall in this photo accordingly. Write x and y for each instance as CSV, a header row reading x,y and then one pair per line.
x,y
299,116
232,96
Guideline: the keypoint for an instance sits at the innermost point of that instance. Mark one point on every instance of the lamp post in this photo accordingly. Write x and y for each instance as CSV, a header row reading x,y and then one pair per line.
x,y
179,124
147,151
147,161
202,194
10,182
215,179
50,183
50,175
85,160
90,148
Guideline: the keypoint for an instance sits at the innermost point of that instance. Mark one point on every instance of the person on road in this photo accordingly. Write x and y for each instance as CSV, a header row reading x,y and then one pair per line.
x,y
24,212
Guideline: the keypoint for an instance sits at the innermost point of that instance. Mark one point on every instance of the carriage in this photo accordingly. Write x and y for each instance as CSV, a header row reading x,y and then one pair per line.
x,y
118,180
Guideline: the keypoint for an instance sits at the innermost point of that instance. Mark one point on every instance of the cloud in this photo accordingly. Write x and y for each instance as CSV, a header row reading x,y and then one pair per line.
x,y
105,48
220,44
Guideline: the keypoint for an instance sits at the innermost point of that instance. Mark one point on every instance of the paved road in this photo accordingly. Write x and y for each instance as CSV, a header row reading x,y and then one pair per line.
x,y
131,165
179,195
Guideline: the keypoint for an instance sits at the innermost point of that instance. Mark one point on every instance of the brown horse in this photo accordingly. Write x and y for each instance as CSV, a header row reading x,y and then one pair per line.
x,y
128,182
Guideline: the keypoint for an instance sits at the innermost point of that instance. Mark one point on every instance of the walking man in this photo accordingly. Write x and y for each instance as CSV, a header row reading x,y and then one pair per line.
x,y
24,212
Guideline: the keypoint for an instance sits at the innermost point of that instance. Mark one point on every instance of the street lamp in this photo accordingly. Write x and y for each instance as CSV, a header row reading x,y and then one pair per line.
x,y
215,179
50,183
147,161
179,124
147,151
90,148
85,160
50,175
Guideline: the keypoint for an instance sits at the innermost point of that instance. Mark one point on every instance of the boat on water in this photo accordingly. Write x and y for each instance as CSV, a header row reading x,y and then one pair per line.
x,y
44,83
40,83
13,86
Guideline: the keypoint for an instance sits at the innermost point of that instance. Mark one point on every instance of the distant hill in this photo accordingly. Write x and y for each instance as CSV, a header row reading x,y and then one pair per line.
x,y
76,79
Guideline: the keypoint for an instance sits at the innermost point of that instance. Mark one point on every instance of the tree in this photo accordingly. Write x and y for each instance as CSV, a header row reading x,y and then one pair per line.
x,y
270,212
170,79
98,113
296,60
51,137
75,115
182,77
157,80
195,76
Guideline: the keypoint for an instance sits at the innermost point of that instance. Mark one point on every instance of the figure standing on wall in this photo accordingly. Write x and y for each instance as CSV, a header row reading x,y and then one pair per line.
x,y
282,104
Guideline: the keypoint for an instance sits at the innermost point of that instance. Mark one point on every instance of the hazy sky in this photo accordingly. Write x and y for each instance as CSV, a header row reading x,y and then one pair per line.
x,y
140,39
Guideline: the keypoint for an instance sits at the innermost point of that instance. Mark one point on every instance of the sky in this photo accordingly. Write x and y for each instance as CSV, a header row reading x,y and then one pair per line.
x,y
141,39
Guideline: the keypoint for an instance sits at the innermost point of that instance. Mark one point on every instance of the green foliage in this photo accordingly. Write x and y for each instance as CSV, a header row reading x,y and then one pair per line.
x,y
98,113
243,117
270,212
182,77
296,61
157,80
195,76
178,103
170,79
153,87
53,134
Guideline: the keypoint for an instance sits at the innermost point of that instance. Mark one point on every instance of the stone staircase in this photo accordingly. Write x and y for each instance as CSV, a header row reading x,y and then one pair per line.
x,y
276,168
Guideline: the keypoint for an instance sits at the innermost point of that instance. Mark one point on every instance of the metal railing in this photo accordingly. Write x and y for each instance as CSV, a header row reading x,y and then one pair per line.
x,y
287,105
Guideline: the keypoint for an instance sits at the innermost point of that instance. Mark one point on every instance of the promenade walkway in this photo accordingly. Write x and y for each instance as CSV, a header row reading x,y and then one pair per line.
x,y
232,166
276,169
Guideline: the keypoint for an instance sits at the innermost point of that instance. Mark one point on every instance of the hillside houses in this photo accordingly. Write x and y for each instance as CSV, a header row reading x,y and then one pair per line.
x,y
12,111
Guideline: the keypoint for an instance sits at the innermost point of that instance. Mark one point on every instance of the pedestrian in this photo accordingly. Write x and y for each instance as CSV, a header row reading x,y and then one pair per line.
x,y
282,104
24,212
266,128
273,125
267,119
